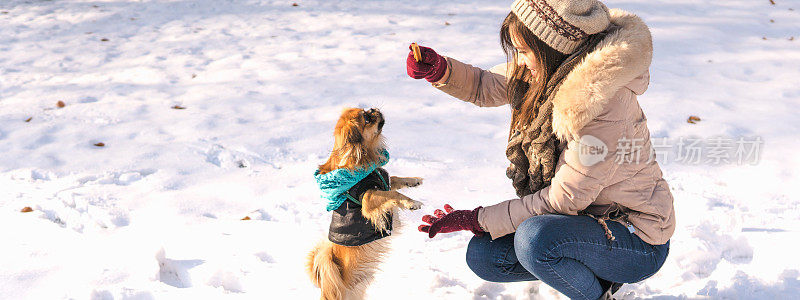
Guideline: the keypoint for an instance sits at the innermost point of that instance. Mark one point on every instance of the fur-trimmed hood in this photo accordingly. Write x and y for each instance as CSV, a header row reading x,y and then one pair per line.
x,y
621,59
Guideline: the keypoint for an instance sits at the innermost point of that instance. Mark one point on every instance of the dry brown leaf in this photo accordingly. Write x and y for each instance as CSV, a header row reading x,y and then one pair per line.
x,y
764,38
28,119
100,144
61,104
104,40
772,2
246,218
194,76
693,119
26,209
791,38
771,21
446,23
4,12
295,4
178,107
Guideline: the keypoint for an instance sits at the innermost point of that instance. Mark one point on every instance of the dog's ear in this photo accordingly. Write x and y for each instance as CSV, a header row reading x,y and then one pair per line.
x,y
354,135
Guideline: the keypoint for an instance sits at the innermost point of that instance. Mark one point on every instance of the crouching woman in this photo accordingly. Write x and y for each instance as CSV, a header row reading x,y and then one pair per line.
x,y
594,210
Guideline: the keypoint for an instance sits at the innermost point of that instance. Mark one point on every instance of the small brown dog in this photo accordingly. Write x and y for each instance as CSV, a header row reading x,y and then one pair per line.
x,y
343,265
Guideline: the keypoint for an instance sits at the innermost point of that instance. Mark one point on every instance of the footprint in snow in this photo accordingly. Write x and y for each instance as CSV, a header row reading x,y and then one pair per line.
x,y
80,212
226,158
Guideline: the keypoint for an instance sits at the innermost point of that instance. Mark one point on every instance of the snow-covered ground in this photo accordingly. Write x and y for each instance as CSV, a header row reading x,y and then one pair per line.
x,y
155,213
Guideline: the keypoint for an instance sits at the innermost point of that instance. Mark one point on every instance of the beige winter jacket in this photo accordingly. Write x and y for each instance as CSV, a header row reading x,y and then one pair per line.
x,y
607,160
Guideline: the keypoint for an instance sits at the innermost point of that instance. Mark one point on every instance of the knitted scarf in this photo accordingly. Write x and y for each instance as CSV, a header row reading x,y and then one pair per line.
x,y
335,184
533,150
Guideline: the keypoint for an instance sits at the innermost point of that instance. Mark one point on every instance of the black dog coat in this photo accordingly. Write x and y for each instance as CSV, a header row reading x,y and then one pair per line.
x,y
348,225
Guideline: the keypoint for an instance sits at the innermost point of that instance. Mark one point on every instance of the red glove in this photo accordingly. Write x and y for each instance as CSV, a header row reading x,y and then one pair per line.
x,y
453,220
431,67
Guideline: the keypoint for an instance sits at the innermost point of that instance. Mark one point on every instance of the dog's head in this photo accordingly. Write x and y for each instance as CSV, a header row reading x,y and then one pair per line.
x,y
357,139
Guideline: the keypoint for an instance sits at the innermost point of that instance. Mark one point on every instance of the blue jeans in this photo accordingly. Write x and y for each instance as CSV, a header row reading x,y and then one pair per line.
x,y
569,253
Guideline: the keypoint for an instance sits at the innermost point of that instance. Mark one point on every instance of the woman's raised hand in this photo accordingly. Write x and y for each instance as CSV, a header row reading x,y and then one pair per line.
x,y
451,221
432,66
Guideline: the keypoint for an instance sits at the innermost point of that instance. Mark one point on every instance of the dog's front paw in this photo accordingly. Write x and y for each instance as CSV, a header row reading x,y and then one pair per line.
x,y
414,181
403,182
412,204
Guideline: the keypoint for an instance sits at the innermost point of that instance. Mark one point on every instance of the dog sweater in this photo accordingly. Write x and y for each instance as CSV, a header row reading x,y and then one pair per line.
x,y
335,184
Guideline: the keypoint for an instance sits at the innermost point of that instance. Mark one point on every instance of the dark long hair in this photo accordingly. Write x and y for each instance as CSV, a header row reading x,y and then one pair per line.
x,y
526,92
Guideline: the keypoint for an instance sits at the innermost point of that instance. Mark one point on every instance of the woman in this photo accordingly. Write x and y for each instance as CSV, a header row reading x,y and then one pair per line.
x,y
594,210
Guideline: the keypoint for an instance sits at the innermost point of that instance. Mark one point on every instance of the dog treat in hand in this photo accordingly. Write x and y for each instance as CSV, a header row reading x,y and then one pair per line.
x,y
424,62
417,53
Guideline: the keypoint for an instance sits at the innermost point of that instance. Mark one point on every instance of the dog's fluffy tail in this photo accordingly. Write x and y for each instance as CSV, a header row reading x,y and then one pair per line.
x,y
325,271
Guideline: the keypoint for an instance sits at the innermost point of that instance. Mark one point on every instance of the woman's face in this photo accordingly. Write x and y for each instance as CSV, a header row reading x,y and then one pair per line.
x,y
525,56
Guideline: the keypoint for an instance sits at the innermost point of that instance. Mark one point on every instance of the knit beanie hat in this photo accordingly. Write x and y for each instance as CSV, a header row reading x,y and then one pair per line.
x,y
562,24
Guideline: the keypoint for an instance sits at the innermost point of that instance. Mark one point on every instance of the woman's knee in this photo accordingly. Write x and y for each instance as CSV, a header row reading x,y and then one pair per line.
x,y
479,256
490,259
536,235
